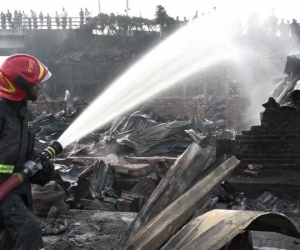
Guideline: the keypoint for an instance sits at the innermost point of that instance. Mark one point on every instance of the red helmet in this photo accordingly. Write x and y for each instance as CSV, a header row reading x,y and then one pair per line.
x,y
27,67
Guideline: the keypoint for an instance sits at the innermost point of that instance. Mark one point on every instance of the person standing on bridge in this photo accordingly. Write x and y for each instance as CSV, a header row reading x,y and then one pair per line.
x,y
9,17
64,16
81,15
19,79
41,16
25,20
48,21
20,18
33,16
16,16
87,15
57,19
3,20
16,20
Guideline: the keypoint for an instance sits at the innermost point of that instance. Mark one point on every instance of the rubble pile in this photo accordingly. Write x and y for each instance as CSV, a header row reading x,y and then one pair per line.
x,y
107,187
143,136
96,171
141,133
117,168
140,184
215,110
48,126
163,168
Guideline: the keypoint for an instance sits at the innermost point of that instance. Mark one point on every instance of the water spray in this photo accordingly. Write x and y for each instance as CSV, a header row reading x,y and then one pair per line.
x,y
179,56
30,168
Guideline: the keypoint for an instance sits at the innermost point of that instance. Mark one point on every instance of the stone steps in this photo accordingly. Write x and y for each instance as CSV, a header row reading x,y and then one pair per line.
x,y
284,187
288,173
271,161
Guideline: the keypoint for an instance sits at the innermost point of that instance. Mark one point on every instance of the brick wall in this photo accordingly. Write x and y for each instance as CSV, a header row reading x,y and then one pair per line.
x,y
235,107
190,107
273,150
50,107
276,142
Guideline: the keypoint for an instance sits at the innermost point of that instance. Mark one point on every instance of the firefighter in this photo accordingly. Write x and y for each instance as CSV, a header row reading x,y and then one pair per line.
x,y
19,79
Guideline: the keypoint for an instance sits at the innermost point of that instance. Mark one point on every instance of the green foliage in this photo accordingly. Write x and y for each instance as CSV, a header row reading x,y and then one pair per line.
x,y
112,24
124,22
167,24
161,16
120,24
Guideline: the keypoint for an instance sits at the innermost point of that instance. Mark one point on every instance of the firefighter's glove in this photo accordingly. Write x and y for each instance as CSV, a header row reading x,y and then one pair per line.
x,y
48,168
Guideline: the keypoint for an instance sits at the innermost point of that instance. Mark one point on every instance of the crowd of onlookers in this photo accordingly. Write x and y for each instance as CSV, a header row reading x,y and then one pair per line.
x,y
21,20
294,29
272,27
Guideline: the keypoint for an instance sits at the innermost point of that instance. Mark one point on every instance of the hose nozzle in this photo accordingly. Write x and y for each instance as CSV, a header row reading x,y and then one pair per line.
x,y
53,149
30,169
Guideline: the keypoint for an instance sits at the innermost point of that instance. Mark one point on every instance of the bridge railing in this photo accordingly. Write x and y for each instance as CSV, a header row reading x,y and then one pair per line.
x,y
44,23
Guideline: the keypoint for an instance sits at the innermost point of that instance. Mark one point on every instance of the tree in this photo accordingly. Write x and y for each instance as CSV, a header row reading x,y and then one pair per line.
x,y
137,23
134,23
112,22
124,23
166,23
104,22
161,17
171,24
140,23
150,24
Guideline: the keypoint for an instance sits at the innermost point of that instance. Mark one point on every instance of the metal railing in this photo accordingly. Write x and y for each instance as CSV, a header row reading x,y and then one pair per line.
x,y
43,23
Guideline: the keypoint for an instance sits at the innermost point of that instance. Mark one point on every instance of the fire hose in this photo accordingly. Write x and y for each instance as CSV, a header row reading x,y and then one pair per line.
x,y
30,168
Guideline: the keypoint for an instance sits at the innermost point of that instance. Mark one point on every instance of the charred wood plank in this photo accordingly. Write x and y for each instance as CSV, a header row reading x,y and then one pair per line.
x,y
179,178
160,229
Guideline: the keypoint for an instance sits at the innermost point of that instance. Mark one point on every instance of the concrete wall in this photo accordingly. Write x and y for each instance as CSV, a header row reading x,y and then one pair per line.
x,y
12,41
41,42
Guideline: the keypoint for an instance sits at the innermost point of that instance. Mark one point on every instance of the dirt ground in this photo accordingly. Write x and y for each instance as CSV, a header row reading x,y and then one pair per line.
x,y
88,230
274,241
99,230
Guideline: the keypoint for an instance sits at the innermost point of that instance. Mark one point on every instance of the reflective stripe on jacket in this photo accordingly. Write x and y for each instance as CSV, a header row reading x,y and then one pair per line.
x,y
16,142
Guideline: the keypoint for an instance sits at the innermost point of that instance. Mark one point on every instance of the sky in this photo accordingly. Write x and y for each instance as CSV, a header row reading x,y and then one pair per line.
x,y
287,9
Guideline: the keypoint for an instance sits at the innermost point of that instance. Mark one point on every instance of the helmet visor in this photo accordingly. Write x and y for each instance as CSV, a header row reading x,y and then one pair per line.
x,y
46,77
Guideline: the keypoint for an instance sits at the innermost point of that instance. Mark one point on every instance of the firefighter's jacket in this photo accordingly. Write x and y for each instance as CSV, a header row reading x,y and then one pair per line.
x,y
17,145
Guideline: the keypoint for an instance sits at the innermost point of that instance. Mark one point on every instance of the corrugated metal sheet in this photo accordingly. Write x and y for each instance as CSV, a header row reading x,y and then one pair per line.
x,y
292,68
163,138
216,228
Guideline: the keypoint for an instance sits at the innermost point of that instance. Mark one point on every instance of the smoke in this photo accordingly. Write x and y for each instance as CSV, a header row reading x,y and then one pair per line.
x,y
257,67
259,90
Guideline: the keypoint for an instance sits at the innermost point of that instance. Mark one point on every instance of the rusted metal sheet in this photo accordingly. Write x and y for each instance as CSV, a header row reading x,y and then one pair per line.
x,y
216,228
